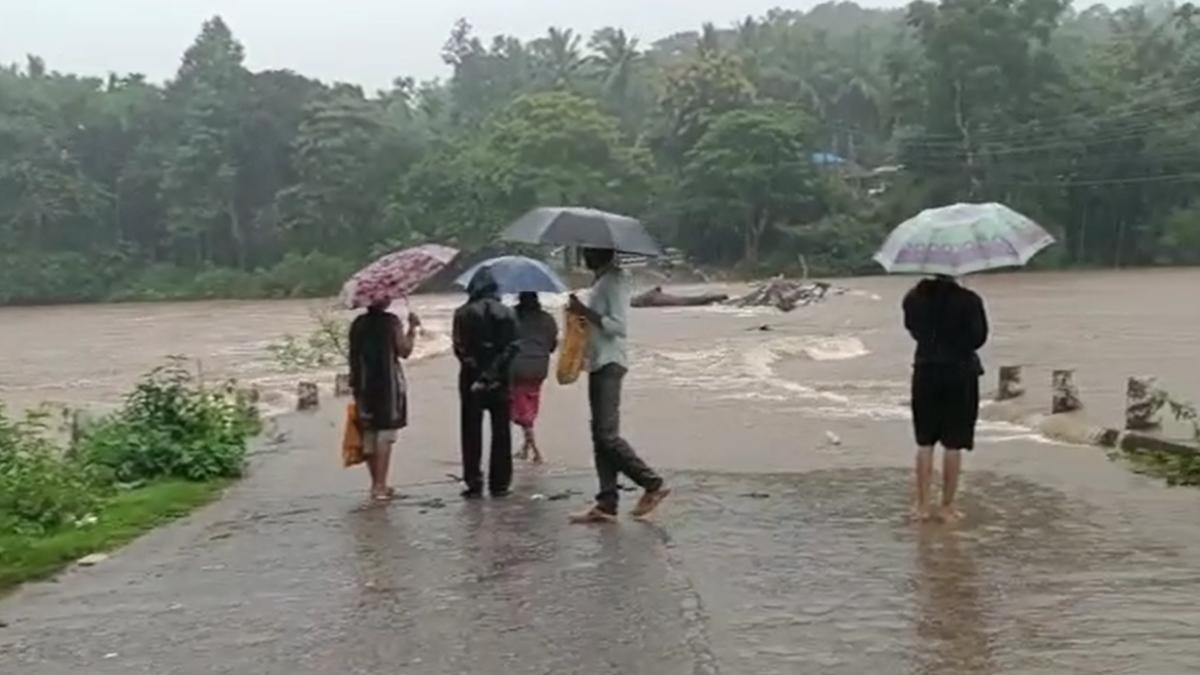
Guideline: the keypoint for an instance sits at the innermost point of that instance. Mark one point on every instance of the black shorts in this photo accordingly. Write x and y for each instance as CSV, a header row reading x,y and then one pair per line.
x,y
945,406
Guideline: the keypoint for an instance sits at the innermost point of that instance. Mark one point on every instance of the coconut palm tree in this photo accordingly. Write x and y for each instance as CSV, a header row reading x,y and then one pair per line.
x,y
558,57
616,58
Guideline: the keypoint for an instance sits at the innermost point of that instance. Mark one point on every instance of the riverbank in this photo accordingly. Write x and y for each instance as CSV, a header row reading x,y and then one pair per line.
x,y
117,521
97,484
73,279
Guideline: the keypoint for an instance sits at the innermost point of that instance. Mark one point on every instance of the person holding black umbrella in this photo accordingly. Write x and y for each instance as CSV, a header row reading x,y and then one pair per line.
x,y
608,362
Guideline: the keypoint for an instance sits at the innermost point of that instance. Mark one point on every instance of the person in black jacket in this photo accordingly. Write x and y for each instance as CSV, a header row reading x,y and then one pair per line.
x,y
485,342
950,325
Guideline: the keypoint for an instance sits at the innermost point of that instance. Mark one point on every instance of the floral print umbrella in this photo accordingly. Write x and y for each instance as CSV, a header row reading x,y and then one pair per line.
x,y
962,239
396,275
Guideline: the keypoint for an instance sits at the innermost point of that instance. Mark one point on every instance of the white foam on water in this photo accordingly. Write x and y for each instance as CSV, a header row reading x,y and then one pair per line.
x,y
837,349
864,294
998,426
742,369
755,396
728,310
1028,437
861,409
695,356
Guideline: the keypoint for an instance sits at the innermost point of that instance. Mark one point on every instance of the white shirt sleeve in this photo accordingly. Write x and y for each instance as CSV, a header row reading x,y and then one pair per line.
x,y
615,292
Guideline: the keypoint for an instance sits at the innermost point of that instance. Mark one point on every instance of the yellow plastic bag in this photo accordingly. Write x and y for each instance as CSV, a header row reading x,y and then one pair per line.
x,y
352,443
570,355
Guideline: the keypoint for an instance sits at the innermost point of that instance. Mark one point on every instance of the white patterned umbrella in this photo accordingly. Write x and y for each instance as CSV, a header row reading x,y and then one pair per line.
x,y
961,239
396,275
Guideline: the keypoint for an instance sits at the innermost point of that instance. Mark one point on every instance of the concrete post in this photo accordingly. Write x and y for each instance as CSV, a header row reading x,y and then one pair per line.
x,y
1143,404
308,396
1011,385
341,385
1064,392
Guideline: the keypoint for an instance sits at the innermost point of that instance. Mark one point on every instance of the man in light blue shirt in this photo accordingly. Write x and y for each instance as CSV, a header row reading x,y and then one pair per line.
x,y
607,362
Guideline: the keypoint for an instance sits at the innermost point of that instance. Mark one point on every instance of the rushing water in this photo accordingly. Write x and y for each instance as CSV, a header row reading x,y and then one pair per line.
x,y
846,357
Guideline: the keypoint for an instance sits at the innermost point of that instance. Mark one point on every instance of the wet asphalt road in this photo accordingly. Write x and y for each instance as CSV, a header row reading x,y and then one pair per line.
x,y
816,572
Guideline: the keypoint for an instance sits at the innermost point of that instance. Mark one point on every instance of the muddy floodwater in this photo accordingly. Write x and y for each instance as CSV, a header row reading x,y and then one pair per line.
x,y
785,549
849,353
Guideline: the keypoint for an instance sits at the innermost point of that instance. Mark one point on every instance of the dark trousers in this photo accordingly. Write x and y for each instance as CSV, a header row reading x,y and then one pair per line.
x,y
614,456
473,405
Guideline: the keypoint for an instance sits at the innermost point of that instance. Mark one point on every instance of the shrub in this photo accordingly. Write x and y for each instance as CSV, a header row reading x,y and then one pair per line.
x,y
40,487
837,245
306,276
32,278
1180,241
161,281
326,345
173,426
220,283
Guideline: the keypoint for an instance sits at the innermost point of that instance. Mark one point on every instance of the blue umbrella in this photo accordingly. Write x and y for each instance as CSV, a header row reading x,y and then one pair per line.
x,y
517,274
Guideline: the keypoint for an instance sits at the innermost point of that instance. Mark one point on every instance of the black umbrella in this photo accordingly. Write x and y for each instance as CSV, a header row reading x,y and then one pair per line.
x,y
589,228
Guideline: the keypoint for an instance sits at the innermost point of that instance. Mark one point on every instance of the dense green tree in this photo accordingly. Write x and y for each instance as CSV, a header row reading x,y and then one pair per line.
x,y
225,181
206,221
753,170
708,84
562,148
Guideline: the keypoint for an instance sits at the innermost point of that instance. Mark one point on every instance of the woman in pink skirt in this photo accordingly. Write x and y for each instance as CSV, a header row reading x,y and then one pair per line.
x,y
537,338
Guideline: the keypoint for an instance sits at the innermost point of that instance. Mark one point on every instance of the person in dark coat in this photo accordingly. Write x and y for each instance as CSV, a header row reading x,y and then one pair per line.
x,y
950,325
377,343
485,342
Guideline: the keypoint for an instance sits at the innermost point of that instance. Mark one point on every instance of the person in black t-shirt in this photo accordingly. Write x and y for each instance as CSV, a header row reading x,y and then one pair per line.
x,y
950,325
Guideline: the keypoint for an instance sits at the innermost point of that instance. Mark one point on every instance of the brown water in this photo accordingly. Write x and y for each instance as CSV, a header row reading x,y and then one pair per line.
x,y
1067,562
847,357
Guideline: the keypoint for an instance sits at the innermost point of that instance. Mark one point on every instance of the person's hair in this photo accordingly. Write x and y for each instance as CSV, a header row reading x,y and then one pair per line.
x,y
378,307
528,301
602,256
936,290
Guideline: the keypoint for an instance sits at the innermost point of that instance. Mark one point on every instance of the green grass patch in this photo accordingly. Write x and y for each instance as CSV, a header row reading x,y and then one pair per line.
x,y
120,519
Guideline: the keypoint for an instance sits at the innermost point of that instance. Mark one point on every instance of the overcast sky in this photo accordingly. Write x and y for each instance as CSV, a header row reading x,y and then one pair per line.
x,y
363,41
367,42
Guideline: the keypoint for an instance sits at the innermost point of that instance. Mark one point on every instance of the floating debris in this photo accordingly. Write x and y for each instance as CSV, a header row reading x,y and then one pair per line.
x,y
786,294
656,297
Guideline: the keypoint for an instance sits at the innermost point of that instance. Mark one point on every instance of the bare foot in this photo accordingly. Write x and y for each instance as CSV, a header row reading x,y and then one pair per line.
x,y
920,513
523,454
537,458
383,495
949,514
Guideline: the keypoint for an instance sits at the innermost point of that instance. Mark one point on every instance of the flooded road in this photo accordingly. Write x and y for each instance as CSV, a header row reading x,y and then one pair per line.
x,y
785,549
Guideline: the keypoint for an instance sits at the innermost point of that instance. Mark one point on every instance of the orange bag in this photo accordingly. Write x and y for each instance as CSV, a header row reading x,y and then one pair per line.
x,y
570,356
352,444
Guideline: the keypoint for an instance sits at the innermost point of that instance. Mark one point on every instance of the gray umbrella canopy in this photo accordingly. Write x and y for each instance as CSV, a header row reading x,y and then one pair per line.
x,y
589,228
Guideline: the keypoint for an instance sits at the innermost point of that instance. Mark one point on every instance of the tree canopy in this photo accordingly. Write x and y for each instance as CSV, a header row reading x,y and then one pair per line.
x,y
785,135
